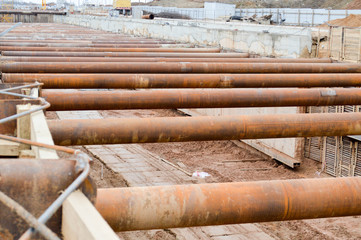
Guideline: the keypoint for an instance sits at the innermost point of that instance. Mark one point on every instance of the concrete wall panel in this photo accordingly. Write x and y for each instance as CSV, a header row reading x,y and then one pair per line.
x,y
266,40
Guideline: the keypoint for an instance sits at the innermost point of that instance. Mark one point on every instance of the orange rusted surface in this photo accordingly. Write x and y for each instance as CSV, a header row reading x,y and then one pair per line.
x,y
163,207
186,80
181,129
155,59
125,54
201,98
115,49
173,67
34,184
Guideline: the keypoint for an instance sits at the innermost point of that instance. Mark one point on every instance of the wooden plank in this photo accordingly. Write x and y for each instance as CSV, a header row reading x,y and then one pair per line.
x,y
41,133
82,221
8,148
27,154
23,125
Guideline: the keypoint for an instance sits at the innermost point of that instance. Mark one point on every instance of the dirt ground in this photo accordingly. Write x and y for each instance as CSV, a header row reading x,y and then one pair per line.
x,y
227,162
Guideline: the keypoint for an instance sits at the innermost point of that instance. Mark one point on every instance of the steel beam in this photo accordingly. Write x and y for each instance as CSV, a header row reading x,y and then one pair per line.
x,y
182,129
186,80
171,67
176,206
214,98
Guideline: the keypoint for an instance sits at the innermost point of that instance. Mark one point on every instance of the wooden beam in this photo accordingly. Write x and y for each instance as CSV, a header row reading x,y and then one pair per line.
x,y
40,133
8,148
27,154
23,125
82,221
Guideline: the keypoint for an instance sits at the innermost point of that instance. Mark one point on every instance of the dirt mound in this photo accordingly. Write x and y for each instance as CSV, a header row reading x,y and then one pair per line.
x,y
352,20
356,4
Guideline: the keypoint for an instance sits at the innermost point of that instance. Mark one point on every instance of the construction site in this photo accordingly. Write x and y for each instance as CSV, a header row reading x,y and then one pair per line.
x,y
151,128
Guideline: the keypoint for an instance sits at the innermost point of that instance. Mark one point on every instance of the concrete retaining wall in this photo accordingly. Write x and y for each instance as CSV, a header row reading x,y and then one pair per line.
x,y
265,40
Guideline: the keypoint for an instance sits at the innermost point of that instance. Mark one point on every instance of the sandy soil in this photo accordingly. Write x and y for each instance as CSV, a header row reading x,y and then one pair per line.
x,y
102,175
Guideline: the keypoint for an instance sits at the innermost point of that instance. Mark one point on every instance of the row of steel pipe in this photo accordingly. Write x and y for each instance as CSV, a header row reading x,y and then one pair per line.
x,y
176,206
186,80
182,129
126,54
173,206
159,59
213,98
86,47
124,49
41,42
95,45
177,67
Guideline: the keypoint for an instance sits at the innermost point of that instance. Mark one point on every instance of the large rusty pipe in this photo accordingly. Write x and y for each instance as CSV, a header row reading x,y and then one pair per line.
x,y
97,45
35,184
125,54
144,59
174,206
124,49
186,80
148,16
182,67
40,42
182,129
214,98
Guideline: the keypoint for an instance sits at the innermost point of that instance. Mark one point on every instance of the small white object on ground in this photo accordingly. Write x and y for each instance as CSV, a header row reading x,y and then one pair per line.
x,y
200,174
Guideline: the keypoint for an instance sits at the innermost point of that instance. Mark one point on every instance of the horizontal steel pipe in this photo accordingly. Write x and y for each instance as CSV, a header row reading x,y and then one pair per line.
x,y
149,16
125,49
182,129
162,207
35,184
171,67
125,54
49,42
95,45
225,98
186,80
144,59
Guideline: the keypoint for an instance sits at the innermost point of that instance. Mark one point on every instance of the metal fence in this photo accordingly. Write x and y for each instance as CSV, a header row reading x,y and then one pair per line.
x,y
299,16
285,16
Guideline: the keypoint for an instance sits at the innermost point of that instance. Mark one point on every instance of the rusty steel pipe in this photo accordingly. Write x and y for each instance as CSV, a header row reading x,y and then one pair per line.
x,y
182,129
186,80
161,207
96,45
124,45
124,49
149,16
171,67
144,59
39,42
225,98
125,54
34,184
